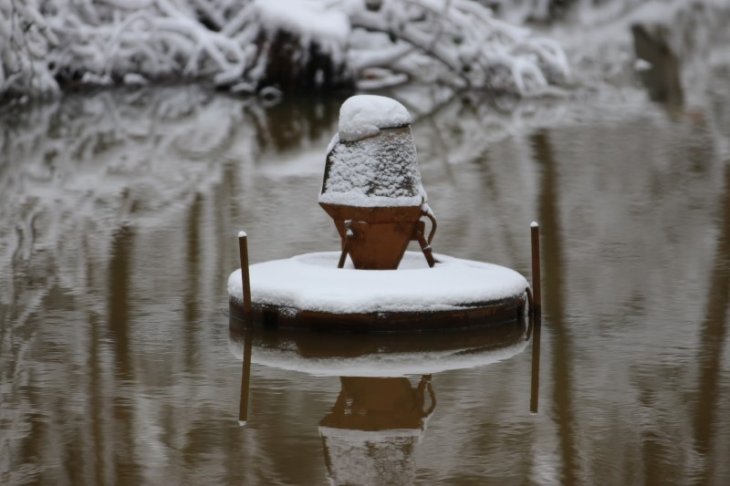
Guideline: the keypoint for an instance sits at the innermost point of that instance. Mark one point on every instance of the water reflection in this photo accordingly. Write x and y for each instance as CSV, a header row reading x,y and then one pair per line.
x,y
370,435
713,334
337,354
371,432
535,370
119,212
554,267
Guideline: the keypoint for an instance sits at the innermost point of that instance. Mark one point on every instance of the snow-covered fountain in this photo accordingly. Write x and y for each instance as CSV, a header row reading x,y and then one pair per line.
x,y
372,190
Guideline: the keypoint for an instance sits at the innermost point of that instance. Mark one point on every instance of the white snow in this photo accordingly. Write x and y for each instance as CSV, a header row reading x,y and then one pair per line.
x,y
134,79
363,116
333,141
380,169
313,282
456,44
361,200
311,19
242,234
642,65
534,225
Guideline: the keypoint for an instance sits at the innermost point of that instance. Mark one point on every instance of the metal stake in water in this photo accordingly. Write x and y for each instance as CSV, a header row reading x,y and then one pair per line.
x,y
536,298
535,316
245,280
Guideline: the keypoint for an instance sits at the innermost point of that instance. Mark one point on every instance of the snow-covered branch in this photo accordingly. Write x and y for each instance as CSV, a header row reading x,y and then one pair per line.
x,y
466,44
245,45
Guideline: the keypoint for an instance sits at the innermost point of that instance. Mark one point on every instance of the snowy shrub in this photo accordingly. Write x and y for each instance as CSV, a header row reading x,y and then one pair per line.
x,y
244,45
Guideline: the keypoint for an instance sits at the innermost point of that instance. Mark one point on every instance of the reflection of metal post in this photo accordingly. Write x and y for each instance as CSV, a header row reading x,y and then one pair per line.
x,y
245,280
536,299
535,376
245,375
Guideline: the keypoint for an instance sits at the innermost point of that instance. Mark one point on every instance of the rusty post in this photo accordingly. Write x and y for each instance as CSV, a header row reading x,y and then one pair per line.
x,y
536,298
248,339
245,280
245,375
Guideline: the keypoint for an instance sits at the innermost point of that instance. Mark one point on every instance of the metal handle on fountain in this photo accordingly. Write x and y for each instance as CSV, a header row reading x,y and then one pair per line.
x,y
432,218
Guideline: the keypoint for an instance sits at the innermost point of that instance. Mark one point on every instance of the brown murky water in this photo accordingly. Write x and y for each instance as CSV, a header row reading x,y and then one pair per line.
x,y
118,218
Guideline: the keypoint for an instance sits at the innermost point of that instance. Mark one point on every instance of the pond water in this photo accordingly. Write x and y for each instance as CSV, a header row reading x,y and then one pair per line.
x,y
118,221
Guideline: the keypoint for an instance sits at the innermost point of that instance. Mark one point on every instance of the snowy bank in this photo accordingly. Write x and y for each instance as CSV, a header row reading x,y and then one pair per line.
x,y
287,44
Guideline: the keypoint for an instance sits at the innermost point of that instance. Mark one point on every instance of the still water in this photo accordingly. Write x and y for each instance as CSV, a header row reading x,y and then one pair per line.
x,y
118,221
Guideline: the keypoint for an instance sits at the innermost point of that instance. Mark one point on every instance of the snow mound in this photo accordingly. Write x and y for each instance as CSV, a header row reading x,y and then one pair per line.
x,y
313,282
363,116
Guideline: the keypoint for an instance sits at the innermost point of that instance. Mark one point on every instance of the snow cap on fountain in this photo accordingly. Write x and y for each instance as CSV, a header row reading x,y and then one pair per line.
x,y
363,116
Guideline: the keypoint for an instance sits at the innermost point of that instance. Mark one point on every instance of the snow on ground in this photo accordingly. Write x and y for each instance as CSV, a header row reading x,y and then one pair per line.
x,y
313,282
599,43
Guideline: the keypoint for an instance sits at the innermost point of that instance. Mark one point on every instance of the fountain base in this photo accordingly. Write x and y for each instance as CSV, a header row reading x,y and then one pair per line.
x,y
309,291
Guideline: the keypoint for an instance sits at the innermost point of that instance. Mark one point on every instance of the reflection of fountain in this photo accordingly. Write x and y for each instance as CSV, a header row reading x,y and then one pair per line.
x,y
370,434
376,355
